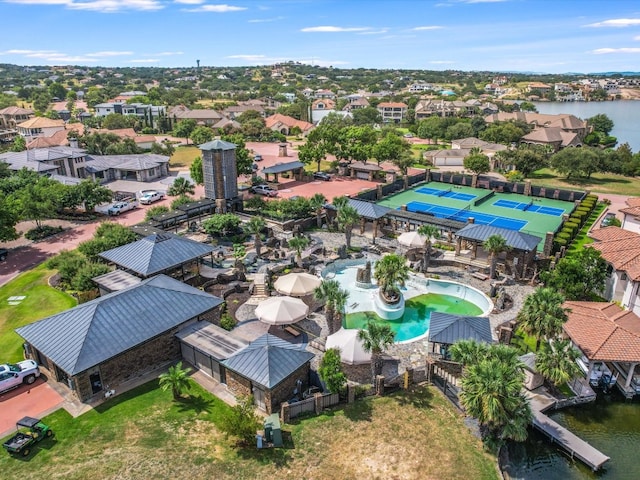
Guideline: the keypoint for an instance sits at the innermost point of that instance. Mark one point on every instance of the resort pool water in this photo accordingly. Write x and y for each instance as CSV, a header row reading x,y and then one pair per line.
x,y
414,322
422,296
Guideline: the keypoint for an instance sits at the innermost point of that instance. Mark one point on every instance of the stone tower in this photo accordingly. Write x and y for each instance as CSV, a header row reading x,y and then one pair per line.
x,y
220,173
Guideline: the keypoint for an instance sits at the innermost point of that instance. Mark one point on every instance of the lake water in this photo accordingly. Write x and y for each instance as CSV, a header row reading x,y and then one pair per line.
x,y
610,424
624,113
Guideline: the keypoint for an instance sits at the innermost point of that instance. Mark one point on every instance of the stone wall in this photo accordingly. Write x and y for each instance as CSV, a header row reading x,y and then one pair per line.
x,y
238,385
284,390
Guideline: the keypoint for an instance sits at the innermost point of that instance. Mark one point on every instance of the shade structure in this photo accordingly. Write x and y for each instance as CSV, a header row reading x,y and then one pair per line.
x,y
351,349
297,284
281,310
411,239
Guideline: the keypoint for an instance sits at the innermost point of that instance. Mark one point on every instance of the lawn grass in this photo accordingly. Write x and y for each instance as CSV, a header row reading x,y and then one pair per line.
x,y
144,434
602,183
582,239
183,157
40,301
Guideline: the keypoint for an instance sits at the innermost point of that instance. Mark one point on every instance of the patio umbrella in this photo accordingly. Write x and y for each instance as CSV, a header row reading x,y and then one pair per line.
x,y
297,284
281,310
351,350
411,239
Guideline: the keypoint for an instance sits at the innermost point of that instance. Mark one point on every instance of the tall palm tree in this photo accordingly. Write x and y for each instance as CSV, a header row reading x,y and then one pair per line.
x,y
495,245
542,315
317,202
376,339
299,244
176,379
391,272
468,352
255,226
181,186
428,231
335,300
557,362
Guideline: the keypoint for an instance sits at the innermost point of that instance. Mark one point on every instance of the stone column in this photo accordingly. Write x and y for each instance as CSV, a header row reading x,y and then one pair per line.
x,y
408,378
548,244
379,192
285,415
282,150
379,385
630,375
458,245
363,221
318,403
351,393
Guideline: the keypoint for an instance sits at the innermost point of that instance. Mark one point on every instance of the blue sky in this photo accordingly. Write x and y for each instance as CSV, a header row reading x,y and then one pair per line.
x,y
507,35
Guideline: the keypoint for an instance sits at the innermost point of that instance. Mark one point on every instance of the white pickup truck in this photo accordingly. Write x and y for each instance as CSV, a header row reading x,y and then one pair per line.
x,y
15,374
123,206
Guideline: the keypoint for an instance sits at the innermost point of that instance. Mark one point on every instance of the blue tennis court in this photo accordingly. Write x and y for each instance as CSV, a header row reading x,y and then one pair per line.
x,y
529,207
463,215
465,197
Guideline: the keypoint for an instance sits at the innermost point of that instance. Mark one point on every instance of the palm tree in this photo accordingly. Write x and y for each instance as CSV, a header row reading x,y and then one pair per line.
x,y
376,339
495,245
299,244
255,227
335,299
176,379
391,271
348,217
542,314
428,231
181,186
468,352
317,202
557,362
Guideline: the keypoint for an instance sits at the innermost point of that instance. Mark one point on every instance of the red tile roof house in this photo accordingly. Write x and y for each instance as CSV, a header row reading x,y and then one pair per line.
x,y
284,124
609,339
621,250
631,219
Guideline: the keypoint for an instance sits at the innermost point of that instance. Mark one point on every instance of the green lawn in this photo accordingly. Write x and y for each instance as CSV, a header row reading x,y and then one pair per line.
x,y
183,157
144,434
40,301
582,239
601,183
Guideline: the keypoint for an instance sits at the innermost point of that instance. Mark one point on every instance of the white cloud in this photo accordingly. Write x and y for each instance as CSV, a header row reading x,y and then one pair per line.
x,y
144,60
105,6
190,2
250,58
637,38
333,29
166,54
602,51
616,22
259,59
427,27
108,54
222,8
266,20
54,56
441,62
374,32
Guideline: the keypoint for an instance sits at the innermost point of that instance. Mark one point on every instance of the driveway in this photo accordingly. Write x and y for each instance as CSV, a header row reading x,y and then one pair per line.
x,y
37,400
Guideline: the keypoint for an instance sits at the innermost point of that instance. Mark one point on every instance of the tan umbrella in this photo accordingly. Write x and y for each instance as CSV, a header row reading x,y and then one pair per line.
x,y
411,239
351,349
297,284
281,310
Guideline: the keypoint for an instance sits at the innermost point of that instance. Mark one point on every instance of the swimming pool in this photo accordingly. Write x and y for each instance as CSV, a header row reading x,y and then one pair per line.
x,y
422,296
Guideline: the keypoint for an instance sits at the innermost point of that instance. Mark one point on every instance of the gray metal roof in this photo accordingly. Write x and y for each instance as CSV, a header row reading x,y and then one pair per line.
x,y
368,210
529,361
515,240
448,329
156,253
116,280
268,360
218,145
423,218
283,167
134,162
91,333
211,339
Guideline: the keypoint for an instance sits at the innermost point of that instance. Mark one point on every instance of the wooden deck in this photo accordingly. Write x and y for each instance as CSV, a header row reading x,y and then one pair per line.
x,y
573,444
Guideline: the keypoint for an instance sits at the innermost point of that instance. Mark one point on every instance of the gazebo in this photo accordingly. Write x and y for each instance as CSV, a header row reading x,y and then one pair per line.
x,y
446,329
296,168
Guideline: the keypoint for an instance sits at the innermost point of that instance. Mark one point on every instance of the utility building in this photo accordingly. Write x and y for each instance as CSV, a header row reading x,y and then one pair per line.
x,y
220,172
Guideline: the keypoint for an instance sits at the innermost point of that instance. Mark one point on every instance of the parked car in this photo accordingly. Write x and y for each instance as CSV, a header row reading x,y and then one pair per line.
x,y
150,196
124,206
258,158
608,219
30,431
408,135
13,375
322,176
4,253
264,190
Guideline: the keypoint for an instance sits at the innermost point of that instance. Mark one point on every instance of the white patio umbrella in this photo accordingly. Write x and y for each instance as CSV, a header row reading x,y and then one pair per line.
x,y
297,284
281,310
411,239
351,350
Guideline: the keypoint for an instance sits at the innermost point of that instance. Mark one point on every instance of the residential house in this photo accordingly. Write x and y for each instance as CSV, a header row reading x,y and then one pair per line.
x,y
205,117
59,160
10,117
392,112
324,94
554,137
146,113
235,111
543,88
320,108
59,139
356,103
609,339
140,167
142,141
39,127
631,218
621,250
100,344
284,124
460,148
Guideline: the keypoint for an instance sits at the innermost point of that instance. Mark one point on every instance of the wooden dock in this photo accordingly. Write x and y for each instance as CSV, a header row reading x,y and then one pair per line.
x,y
573,444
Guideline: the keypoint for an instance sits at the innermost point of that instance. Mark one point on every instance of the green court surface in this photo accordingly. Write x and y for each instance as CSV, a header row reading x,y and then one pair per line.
x,y
532,215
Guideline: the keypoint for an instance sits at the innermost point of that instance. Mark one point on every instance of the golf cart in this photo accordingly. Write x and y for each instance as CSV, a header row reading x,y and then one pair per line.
x,y
33,431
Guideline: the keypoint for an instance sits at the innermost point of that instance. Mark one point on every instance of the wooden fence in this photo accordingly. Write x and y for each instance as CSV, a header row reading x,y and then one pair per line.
x,y
314,404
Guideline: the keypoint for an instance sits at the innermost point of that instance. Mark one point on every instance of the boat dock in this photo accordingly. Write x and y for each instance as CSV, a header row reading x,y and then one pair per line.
x,y
573,444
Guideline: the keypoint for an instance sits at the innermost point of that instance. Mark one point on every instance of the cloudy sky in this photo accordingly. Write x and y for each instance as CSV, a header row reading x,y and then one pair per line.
x,y
507,35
